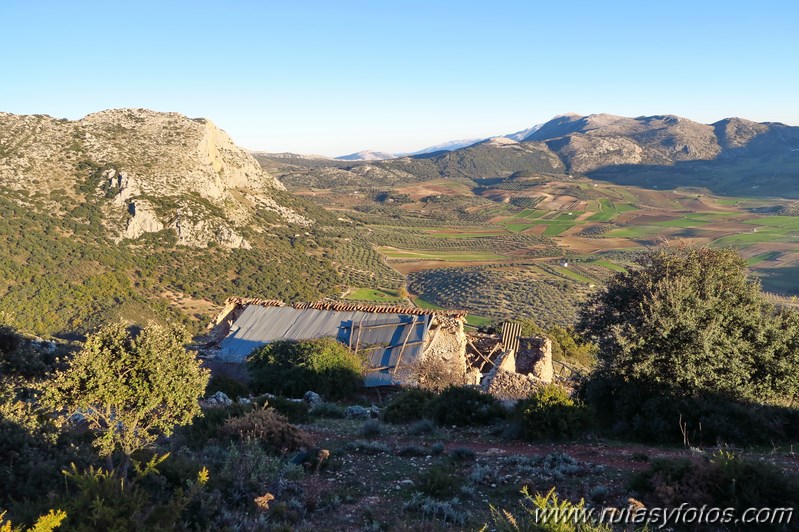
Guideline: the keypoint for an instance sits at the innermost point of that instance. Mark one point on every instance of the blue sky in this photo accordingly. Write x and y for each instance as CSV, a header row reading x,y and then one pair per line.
x,y
337,77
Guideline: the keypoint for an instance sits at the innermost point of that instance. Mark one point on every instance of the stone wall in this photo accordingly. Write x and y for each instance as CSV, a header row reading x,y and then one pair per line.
x,y
443,360
535,358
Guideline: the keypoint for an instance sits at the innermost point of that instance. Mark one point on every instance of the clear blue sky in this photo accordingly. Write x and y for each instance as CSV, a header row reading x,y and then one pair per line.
x,y
341,76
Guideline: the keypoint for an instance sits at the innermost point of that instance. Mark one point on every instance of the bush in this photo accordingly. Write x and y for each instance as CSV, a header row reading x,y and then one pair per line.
x,y
329,410
371,429
421,428
692,320
10,341
244,470
413,450
98,499
228,386
208,425
633,410
274,431
723,480
440,481
551,414
131,390
462,454
295,411
292,368
465,406
409,405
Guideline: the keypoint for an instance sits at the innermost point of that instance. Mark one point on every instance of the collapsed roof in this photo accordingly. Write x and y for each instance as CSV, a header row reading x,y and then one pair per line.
x,y
389,337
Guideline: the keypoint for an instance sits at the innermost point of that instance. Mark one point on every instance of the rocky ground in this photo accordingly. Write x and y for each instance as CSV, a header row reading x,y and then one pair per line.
x,y
393,478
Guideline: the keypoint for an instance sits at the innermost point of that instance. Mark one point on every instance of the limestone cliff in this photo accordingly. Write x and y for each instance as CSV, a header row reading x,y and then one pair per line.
x,y
153,171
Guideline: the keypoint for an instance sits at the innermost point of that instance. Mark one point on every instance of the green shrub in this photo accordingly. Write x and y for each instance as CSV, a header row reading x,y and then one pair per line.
x,y
295,411
228,386
244,470
98,499
409,405
10,341
634,410
722,479
465,406
551,414
421,428
329,410
208,425
288,368
271,429
462,454
692,319
371,429
439,481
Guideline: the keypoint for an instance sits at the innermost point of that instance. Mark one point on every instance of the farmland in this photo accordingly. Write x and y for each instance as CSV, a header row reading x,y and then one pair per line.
x,y
535,246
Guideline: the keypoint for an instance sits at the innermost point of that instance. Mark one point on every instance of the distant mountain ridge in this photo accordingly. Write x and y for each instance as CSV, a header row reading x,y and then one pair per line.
x,y
452,145
724,156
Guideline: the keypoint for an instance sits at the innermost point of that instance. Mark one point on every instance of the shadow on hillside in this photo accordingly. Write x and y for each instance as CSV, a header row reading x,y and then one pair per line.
x,y
761,176
768,165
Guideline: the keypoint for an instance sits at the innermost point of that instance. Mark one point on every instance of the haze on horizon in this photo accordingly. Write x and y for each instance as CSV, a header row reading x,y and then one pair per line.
x,y
315,77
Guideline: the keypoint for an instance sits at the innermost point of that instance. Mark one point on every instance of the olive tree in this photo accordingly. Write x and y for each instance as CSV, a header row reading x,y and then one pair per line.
x,y
131,390
690,321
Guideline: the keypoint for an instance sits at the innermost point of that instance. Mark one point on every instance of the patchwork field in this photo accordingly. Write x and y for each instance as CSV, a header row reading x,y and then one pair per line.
x,y
534,247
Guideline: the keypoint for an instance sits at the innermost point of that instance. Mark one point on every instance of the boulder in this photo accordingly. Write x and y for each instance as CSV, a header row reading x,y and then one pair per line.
x,y
312,399
359,412
219,399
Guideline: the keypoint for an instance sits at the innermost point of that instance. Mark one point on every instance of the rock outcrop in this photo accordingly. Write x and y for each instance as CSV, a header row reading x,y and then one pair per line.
x,y
152,172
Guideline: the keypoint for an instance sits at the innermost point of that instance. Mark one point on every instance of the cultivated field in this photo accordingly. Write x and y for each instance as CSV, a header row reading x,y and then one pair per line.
x,y
534,246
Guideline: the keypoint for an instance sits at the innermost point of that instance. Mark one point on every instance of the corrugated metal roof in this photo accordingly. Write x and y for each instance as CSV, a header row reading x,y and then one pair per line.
x,y
388,340
511,331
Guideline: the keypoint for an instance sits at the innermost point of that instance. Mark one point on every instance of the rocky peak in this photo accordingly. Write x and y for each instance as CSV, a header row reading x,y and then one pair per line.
x,y
153,171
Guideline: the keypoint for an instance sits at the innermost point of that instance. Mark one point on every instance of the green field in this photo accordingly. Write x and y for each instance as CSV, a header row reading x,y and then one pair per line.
x,y
755,237
786,222
609,265
571,274
555,229
485,253
374,294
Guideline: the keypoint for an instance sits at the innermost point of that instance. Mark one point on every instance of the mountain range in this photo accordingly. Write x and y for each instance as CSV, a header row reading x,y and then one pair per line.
x,y
730,156
370,155
129,213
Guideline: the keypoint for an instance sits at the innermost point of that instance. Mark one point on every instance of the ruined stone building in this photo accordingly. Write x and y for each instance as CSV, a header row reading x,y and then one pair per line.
x,y
394,340
402,345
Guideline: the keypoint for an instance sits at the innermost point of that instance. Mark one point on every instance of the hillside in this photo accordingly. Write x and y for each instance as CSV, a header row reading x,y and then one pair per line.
x,y
489,228
732,156
132,213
